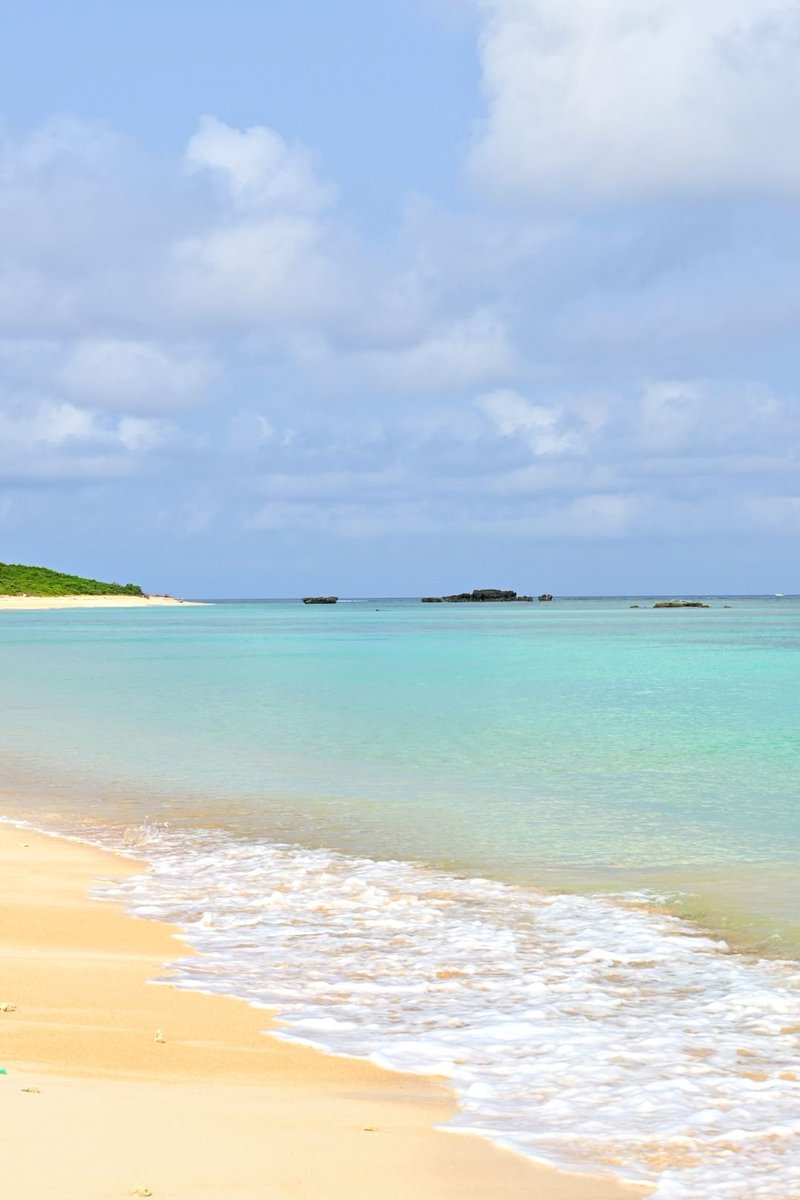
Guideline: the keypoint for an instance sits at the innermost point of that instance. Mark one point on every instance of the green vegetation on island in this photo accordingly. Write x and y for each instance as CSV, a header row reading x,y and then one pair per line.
x,y
19,580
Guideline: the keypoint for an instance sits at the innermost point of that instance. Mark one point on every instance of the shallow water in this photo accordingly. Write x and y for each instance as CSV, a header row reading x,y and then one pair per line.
x,y
335,779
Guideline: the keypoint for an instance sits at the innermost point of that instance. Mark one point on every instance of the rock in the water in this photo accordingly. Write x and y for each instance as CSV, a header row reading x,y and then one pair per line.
x,y
481,596
679,604
320,599
431,599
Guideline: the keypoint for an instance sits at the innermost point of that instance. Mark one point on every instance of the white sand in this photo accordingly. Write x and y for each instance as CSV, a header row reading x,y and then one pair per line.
x,y
95,1105
33,602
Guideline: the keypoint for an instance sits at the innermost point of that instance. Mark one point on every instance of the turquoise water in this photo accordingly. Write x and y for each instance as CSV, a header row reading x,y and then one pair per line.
x,y
520,741
641,762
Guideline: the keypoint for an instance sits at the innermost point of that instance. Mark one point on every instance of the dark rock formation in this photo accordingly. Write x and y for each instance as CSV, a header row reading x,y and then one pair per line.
x,y
431,599
320,599
679,604
545,596
480,596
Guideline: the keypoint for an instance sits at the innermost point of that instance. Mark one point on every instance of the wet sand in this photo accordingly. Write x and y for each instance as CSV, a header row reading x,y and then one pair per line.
x,y
114,1084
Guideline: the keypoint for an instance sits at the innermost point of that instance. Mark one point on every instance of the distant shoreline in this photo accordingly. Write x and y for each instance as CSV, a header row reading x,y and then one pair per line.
x,y
87,601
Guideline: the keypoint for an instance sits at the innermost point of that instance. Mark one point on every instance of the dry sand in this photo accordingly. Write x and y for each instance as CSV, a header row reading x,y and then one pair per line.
x,y
95,1105
32,602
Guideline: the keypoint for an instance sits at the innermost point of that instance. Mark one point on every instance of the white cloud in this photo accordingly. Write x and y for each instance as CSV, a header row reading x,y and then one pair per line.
x,y
593,515
270,255
46,423
272,269
260,170
670,414
676,418
325,485
93,238
465,352
670,457
135,376
639,97
141,434
78,216
250,431
368,353
57,143
46,439
346,520
545,429
603,515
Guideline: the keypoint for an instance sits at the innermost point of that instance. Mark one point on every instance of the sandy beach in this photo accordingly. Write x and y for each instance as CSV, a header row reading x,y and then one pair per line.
x,y
116,1087
34,602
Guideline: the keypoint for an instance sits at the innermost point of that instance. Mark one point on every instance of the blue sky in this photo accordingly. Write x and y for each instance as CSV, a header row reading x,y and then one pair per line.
x,y
399,299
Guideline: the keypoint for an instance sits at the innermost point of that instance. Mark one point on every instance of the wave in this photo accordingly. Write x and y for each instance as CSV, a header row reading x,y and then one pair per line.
x,y
589,1032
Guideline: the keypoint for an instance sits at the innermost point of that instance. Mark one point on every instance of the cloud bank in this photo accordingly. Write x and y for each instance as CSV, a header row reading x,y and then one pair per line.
x,y
596,344
628,99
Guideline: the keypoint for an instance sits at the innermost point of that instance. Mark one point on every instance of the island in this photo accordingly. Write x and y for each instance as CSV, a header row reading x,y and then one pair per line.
x,y
319,599
23,586
478,596
680,604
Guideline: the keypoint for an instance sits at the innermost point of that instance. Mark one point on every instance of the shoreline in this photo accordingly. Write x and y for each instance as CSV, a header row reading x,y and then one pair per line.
x,y
47,602
217,1107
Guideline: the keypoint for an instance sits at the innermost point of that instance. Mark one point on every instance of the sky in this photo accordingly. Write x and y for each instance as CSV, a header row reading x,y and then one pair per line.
x,y
399,299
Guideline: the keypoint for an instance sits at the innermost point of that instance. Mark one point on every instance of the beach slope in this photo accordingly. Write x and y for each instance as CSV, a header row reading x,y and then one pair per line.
x,y
36,602
116,1087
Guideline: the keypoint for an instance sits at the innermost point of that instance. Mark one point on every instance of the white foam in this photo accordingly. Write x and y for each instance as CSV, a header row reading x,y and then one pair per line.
x,y
580,1030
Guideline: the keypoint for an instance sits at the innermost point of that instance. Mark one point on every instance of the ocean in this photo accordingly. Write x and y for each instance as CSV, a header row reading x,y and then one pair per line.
x,y
547,850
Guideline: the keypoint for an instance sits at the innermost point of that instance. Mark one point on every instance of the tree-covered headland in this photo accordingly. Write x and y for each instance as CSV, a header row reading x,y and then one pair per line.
x,y
19,580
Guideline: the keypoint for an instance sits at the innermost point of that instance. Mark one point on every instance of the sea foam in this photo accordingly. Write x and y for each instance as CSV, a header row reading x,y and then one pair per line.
x,y
590,1032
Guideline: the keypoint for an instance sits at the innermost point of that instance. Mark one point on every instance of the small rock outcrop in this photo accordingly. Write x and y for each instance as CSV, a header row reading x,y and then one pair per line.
x,y
320,599
483,596
680,604
545,596
431,599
